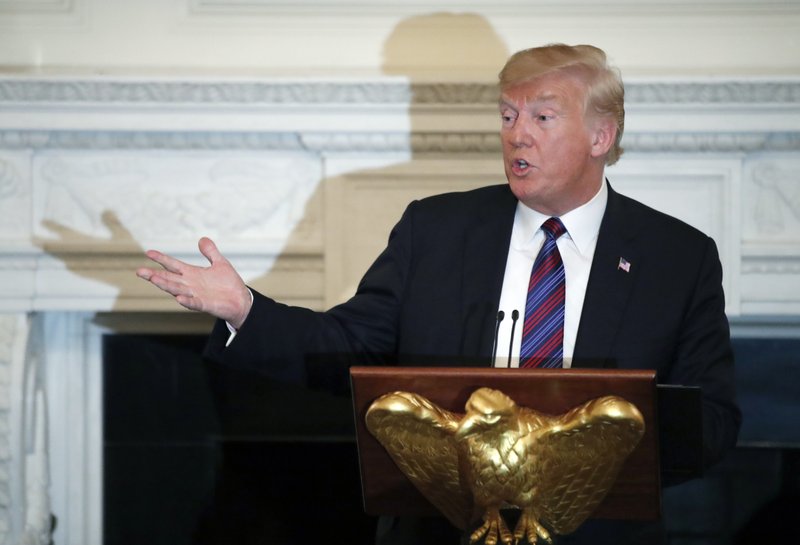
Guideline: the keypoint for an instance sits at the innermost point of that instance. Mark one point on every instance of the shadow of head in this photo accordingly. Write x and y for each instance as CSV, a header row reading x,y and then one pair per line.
x,y
444,46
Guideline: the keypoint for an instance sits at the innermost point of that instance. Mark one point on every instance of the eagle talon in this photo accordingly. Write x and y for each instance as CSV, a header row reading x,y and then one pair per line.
x,y
529,527
493,524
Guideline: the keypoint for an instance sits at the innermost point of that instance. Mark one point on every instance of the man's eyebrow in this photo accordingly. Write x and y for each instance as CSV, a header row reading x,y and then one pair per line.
x,y
504,102
548,97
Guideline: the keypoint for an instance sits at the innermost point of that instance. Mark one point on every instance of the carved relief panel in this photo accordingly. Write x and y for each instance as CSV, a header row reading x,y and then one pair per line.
x,y
96,212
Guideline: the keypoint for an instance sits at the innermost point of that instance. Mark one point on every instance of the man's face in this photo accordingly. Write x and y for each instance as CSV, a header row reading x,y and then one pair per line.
x,y
552,160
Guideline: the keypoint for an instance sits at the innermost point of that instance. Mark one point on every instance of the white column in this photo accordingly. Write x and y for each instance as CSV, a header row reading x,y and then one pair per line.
x,y
24,479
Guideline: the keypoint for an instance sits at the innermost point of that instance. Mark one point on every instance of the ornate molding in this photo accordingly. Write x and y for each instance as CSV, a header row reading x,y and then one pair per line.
x,y
771,265
129,140
711,142
339,116
200,92
355,141
456,143
455,93
7,333
418,142
81,91
723,92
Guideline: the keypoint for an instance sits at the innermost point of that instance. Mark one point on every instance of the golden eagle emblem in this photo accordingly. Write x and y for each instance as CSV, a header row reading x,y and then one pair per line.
x,y
554,469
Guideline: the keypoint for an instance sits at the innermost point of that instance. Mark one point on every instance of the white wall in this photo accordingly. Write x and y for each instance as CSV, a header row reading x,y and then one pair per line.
x,y
434,38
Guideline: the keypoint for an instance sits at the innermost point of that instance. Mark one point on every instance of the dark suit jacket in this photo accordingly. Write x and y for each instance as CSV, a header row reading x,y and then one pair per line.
x,y
431,298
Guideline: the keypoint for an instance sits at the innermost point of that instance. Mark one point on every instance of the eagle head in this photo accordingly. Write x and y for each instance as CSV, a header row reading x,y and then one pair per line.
x,y
487,409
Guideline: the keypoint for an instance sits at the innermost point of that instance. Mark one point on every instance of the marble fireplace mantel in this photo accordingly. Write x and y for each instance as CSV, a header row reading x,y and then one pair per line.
x,y
299,182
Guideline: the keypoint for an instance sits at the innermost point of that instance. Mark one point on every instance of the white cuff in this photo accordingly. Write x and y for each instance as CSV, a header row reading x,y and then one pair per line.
x,y
232,329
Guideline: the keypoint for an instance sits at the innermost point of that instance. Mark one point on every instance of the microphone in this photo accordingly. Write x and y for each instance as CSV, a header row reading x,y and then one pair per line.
x,y
514,318
500,316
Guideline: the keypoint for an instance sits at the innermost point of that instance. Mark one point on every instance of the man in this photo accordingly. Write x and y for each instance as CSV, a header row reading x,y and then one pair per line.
x,y
638,289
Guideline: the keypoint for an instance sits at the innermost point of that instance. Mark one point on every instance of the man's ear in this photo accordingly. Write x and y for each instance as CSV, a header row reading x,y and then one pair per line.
x,y
604,134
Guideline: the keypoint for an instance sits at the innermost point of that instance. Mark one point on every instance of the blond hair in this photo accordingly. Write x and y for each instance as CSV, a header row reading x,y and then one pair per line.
x,y
605,94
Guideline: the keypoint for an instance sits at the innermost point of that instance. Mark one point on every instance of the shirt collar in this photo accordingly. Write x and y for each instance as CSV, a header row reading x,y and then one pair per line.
x,y
582,223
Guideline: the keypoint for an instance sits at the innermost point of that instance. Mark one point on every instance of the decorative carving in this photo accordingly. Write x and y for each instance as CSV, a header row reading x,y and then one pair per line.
x,y
178,140
772,265
777,189
473,142
153,200
10,185
373,92
725,92
455,142
14,202
337,95
703,142
554,469
7,331
455,93
24,502
351,141
196,92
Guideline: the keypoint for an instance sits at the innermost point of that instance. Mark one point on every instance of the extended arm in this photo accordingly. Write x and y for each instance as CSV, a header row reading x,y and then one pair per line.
x,y
217,289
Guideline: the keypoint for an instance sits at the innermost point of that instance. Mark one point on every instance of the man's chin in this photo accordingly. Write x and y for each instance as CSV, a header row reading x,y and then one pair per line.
x,y
524,189
532,197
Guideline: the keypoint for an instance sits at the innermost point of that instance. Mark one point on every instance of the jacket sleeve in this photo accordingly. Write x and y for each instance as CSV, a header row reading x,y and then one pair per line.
x,y
296,344
704,358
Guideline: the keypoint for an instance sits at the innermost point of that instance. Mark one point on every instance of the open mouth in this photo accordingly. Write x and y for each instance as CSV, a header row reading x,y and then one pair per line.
x,y
520,166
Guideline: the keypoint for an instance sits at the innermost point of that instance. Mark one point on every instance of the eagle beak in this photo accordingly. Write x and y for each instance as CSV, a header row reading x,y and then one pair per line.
x,y
472,424
467,426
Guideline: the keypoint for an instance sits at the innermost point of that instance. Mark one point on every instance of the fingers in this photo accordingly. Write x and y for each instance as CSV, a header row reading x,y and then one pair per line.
x,y
205,289
144,273
188,302
170,284
169,263
209,250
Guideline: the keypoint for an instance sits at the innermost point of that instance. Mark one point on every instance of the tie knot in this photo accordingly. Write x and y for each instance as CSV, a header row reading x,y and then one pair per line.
x,y
554,228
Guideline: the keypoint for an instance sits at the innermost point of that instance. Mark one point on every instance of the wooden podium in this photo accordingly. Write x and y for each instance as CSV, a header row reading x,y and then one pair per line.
x,y
636,493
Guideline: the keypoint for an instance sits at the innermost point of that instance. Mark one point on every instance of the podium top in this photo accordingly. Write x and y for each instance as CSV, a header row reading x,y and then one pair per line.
x,y
636,493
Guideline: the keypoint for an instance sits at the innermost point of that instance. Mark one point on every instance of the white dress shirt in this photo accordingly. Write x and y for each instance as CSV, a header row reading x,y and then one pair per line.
x,y
576,247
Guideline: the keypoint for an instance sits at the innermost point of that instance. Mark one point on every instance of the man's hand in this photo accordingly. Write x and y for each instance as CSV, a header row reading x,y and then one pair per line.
x,y
217,290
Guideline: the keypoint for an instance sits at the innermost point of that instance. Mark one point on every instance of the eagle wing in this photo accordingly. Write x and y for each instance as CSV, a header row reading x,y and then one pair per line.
x,y
418,436
580,454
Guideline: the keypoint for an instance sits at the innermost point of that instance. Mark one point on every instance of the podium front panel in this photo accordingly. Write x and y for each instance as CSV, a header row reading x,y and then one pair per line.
x,y
387,491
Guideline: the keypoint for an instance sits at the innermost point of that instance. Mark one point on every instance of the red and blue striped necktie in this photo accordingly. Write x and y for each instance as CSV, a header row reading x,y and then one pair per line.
x,y
543,329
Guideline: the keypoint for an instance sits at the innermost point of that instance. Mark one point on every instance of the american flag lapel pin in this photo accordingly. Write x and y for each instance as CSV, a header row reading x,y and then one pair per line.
x,y
624,265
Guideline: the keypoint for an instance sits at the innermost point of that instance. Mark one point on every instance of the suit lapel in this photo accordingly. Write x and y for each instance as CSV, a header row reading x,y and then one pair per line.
x,y
610,286
486,243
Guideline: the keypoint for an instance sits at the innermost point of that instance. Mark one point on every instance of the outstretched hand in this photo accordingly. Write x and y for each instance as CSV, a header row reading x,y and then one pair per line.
x,y
217,289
